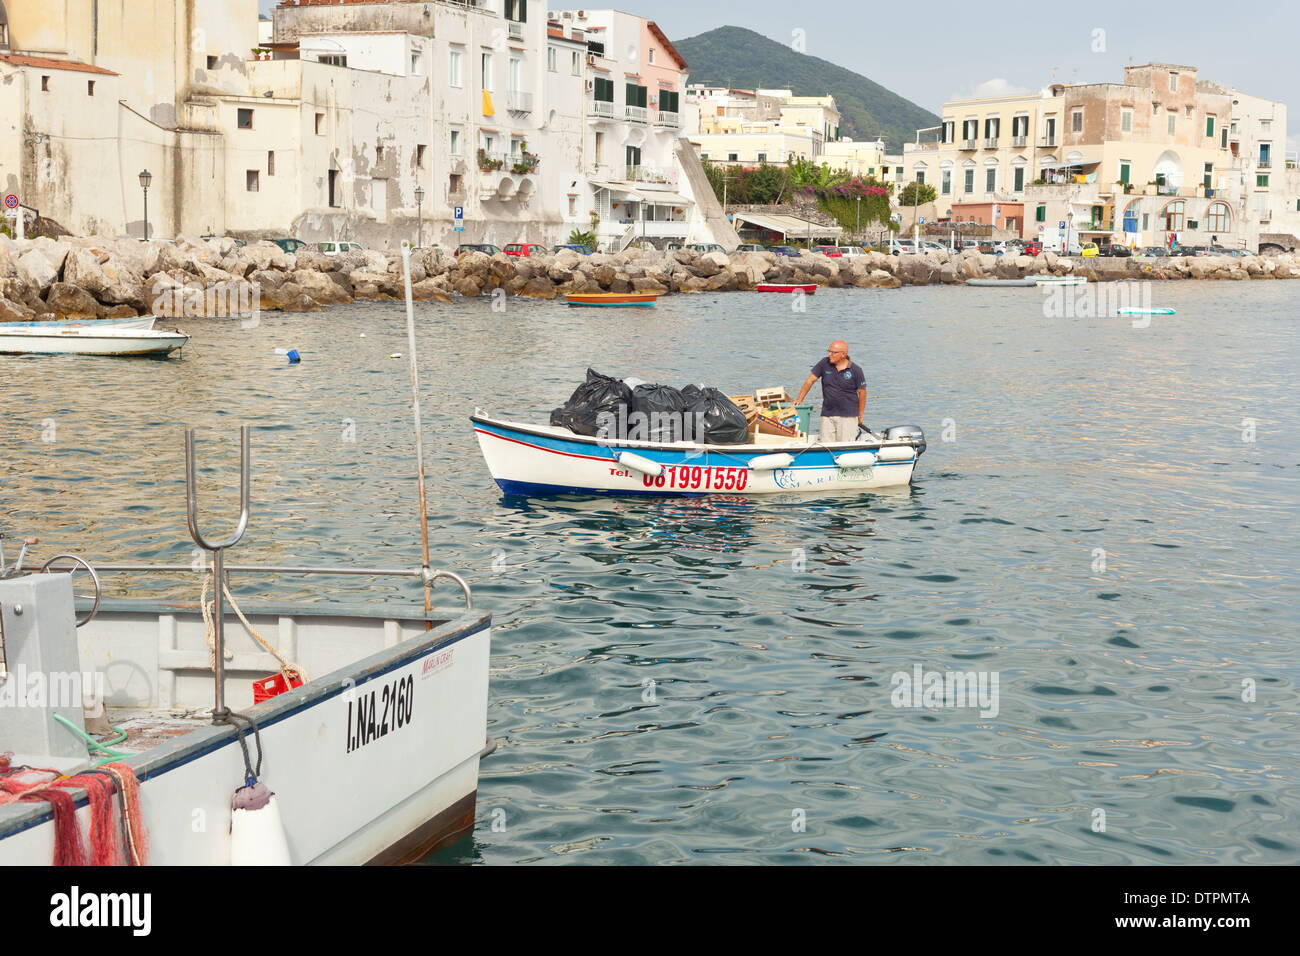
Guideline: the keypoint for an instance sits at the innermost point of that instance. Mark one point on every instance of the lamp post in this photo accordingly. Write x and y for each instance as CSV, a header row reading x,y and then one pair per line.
x,y
419,217
146,178
1069,224
857,221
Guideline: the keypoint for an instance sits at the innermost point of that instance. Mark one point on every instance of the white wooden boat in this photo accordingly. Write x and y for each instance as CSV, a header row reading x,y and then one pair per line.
x,y
549,460
83,340
139,322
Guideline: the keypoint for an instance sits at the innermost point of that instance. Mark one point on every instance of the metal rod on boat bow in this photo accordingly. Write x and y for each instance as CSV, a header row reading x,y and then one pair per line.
x,y
419,437
218,548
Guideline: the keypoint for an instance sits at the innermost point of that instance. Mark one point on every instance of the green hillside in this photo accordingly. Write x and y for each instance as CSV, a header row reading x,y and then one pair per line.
x,y
744,59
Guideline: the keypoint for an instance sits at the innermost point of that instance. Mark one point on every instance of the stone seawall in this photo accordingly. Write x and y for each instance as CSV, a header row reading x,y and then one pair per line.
x,y
83,278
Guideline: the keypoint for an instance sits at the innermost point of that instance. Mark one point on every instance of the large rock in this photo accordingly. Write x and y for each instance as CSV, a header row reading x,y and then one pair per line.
x,y
466,285
373,285
540,288
35,270
711,263
645,284
11,311
320,286
431,289
69,302
122,285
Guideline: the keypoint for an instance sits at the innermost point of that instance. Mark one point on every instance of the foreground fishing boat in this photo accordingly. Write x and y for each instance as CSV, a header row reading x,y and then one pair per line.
x,y
83,340
549,460
807,288
616,299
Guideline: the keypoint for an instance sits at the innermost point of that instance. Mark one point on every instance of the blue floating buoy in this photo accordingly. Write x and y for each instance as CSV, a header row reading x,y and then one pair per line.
x,y
291,354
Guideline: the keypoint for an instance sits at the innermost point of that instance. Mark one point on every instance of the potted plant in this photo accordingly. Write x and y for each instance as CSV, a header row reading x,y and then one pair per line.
x,y
488,163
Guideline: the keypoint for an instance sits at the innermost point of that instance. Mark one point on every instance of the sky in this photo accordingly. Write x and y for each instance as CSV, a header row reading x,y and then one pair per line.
x,y
937,50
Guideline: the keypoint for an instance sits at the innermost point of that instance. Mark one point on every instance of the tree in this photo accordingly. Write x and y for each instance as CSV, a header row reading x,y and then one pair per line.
x,y
907,196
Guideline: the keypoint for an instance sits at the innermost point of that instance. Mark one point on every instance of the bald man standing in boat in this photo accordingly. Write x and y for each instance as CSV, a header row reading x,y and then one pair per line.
x,y
844,393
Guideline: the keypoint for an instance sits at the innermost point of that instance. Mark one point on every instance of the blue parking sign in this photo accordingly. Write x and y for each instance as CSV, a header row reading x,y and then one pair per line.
x,y
460,213
1061,224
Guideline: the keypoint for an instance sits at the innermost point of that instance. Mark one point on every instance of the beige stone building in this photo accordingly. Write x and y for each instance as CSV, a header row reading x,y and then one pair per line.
x,y
1136,162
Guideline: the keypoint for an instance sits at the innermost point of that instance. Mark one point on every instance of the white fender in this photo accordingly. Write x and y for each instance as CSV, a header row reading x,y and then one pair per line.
x,y
856,459
771,462
895,453
629,460
256,831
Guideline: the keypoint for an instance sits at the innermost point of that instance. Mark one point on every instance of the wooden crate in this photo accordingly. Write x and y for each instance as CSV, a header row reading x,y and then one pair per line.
x,y
747,405
763,426
767,397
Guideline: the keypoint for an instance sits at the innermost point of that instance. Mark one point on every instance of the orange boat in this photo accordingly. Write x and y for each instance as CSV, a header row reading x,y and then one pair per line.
x,y
646,299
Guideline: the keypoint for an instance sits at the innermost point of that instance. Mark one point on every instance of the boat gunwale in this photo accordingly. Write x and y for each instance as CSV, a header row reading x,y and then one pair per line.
x,y
690,447
185,748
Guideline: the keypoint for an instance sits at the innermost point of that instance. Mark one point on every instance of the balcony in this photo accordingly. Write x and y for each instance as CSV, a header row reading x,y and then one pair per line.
x,y
602,109
1264,164
651,174
636,114
490,162
518,101
1265,215
667,119
970,144
515,30
523,163
1047,141
991,142
1019,141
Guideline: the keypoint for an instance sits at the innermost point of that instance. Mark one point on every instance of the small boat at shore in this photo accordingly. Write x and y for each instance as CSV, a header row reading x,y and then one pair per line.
x,y
645,299
549,460
139,322
88,340
807,288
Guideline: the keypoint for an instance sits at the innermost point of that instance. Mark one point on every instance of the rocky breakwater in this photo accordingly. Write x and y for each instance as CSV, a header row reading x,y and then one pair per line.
x,y
84,278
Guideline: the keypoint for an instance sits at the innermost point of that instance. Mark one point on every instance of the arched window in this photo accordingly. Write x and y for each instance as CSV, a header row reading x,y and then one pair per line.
x,y
1218,217
1172,215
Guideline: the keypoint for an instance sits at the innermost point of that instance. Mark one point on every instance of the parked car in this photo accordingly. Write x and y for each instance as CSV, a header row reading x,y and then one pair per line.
x,y
1033,248
832,251
1152,252
484,247
707,247
850,252
1117,250
751,247
525,249
929,245
239,243
580,248
1191,251
898,247
673,246
337,248
290,245
790,251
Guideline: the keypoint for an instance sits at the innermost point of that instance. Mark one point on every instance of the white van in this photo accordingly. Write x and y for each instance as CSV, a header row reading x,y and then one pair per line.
x,y
337,248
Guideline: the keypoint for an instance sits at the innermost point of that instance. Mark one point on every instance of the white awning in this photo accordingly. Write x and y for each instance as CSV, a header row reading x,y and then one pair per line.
x,y
663,198
621,189
788,225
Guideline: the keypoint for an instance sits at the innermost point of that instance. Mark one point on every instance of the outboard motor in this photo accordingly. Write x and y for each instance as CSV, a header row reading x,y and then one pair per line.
x,y
912,433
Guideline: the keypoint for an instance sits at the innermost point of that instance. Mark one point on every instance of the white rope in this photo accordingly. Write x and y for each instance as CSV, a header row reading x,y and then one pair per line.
x,y
287,668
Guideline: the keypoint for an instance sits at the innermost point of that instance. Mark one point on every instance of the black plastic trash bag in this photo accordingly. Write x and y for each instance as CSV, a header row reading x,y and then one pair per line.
x,y
716,419
599,407
658,414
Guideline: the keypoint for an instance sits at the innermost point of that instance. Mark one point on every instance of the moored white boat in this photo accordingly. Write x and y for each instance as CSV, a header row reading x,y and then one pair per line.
x,y
139,322
84,340
548,460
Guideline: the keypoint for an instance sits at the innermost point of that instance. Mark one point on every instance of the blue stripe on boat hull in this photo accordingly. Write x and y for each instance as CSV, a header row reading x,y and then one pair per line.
x,y
531,489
